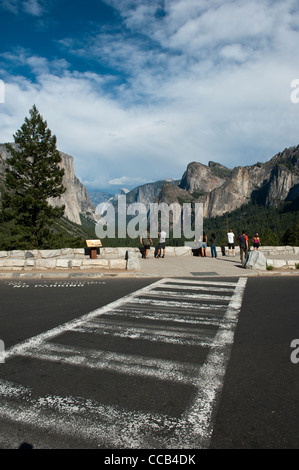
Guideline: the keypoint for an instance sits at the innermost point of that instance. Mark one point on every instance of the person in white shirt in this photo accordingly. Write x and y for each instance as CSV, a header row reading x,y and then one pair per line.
x,y
162,243
231,243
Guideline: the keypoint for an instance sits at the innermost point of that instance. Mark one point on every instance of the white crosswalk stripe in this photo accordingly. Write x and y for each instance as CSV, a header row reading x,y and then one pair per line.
x,y
173,313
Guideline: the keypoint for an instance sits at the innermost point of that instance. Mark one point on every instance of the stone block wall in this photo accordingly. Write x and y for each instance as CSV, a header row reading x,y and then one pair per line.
x,y
108,259
282,263
75,258
64,259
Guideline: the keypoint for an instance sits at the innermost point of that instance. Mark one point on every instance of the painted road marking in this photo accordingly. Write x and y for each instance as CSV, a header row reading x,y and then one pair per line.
x,y
194,321
180,304
159,293
69,326
201,283
53,284
201,288
174,335
123,363
86,419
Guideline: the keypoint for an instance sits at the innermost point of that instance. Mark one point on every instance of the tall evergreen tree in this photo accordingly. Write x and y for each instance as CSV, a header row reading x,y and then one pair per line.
x,y
32,177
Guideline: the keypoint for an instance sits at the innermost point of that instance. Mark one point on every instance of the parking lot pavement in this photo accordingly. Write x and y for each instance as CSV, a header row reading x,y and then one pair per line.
x,y
143,371
194,266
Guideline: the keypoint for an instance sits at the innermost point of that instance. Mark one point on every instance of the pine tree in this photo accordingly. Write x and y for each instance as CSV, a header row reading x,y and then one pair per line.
x,y
32,177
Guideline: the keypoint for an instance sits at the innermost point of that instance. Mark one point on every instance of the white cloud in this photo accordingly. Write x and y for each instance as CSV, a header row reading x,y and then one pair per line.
x,y
127,181
21,57
10,5
207,80
236,52
31,7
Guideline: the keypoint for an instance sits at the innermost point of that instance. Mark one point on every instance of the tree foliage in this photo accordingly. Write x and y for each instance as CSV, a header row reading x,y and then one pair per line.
x,y
275,225
33,175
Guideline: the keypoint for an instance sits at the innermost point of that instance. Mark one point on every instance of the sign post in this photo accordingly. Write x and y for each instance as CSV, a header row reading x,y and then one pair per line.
x,y
94,246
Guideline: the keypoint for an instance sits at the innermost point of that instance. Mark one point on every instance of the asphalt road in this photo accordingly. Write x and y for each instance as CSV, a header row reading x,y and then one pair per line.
x,y
259,408
157,355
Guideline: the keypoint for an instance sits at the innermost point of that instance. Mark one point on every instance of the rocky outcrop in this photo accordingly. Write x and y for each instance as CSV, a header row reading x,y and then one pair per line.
x,y
256,260
222,190
133,263
281,185
98,197
173,194
270,184
76,198
200,179
148,193
236,191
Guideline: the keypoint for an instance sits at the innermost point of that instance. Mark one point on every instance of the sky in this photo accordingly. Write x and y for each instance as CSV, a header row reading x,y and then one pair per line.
x,y
135,90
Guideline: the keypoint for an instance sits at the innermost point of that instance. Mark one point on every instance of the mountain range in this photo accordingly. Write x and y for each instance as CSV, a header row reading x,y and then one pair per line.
x,y
220,189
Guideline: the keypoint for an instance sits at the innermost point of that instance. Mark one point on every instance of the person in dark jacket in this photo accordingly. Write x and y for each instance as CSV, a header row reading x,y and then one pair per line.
x,y
204,244
243,243
213,246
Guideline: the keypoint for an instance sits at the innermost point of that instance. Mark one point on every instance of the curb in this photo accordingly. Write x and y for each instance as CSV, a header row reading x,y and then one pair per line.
x,y
100,275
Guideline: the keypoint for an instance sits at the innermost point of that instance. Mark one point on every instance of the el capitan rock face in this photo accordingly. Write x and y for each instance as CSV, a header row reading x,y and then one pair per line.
x,y
76,198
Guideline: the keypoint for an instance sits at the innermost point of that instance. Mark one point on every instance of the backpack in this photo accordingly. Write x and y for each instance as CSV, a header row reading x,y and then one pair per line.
x,y
146,241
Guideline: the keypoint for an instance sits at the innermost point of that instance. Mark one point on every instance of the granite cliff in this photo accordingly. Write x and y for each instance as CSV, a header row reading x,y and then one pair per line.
x,y
201,179
222,190
148,193
76,198
268,183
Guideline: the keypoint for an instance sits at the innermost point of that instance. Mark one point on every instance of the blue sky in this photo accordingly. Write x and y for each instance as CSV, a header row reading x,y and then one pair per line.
x,y
136,90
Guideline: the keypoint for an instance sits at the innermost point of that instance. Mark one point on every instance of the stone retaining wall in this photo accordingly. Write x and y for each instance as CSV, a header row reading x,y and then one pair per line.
x,y
282,263
108,259
82,254
77,258
64,259
279,250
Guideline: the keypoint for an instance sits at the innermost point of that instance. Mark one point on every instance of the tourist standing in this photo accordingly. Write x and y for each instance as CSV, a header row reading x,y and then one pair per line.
x,y
146,241
231,243
243,242
256,242
204,244
162,243
213,246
